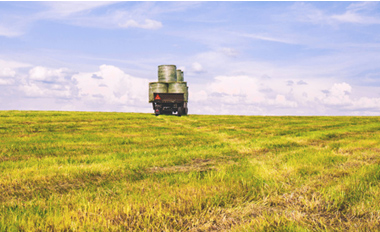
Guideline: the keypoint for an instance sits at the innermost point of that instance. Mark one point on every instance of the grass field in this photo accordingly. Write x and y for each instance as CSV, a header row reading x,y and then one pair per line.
x,y
84,171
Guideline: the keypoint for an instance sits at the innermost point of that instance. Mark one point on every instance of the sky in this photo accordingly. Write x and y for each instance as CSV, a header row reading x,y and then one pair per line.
x,y
239,58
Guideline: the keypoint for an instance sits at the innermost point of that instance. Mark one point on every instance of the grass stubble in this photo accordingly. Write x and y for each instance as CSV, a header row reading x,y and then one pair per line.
x,y
81,171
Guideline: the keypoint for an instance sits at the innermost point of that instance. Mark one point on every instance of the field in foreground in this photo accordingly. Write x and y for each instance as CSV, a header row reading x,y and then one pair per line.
x,y
121,171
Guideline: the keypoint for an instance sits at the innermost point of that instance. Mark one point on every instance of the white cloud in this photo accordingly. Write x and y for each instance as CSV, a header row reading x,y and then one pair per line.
x,y
238,82
113,86
340,89
306,12
301,82
338,95
16,24
9,31
136,15
267,38
111,89
6,76
148,24
198,96
360,6
236,86
267,96
42,82
242,91
197,67
81,14
229,51
120,18
7,72
365,103
281,101
4,64
355,13
64,9
6,81
355,17
107,89
36,90
45,74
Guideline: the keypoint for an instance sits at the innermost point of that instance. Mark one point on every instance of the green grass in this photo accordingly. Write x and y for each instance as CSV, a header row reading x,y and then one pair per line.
x,y
81,171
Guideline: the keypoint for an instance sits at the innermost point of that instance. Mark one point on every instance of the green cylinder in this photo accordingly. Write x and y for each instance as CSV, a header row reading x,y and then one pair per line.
x,y
156,87
187,94
179,75
178,87
167,73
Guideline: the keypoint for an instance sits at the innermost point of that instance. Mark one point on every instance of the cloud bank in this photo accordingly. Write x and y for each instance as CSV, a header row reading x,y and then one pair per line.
x,y
111,89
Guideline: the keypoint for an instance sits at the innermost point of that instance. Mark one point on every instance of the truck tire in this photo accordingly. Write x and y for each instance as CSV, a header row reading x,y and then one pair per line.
x,y
179,111
157,112
185,111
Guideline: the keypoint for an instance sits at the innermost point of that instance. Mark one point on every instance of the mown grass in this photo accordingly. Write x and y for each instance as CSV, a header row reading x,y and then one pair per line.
x,y
81,171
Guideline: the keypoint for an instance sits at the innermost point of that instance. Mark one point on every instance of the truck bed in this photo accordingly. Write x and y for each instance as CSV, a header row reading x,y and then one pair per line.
x,y
169,97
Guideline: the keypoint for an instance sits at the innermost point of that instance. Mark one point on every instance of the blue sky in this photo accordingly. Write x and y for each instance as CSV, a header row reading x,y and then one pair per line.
x,y
247,58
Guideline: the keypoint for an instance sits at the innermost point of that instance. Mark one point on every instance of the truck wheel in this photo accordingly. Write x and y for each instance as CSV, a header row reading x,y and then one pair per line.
x,y
185,111
157,112
179,111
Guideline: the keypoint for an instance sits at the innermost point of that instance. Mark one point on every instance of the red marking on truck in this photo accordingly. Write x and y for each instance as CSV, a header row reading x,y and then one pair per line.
x,y
157,97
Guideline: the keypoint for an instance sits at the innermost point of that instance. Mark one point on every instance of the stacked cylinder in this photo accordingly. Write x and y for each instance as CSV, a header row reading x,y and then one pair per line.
x,y
170,80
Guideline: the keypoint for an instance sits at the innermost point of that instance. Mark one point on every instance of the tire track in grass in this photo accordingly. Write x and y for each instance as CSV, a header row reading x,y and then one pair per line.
x,y
61,183
196,164
237,148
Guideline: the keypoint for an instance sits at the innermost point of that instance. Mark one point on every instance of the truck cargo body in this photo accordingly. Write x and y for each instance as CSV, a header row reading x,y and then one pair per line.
x,y
169,103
